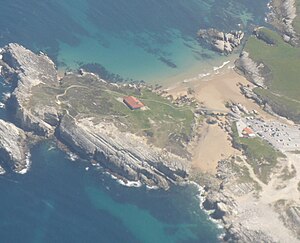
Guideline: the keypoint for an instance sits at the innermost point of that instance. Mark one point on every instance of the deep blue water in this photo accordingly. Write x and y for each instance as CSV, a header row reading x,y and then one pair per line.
x,y
58,200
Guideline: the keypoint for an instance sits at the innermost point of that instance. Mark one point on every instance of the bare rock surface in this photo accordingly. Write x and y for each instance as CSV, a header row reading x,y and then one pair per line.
x,y
282,14
26,70
254,72
252,211
13,149
122,153
220,41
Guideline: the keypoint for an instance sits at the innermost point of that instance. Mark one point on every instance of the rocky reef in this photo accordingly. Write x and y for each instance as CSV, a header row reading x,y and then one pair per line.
x,y
44,105
14,151
220,41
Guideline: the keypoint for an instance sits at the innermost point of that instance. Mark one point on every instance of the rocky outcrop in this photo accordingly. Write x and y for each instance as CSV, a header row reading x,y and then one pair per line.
x,y
256,73
26,70
13,149
122,153
282,14
240,205
220,41
290,214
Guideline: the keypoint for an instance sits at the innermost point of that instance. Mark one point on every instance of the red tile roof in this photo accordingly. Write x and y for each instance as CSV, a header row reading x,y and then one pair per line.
x,y
248,130
133,103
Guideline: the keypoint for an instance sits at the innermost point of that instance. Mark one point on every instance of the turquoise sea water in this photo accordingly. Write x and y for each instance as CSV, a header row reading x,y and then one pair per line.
x,y
140,39
58,200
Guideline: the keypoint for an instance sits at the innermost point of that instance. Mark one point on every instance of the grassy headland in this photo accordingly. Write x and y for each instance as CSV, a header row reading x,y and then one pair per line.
x,y
163,123
283,61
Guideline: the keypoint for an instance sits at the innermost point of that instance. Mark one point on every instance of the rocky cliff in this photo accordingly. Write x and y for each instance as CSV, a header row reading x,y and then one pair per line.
x,y
14,151
25,71
254,72
122,153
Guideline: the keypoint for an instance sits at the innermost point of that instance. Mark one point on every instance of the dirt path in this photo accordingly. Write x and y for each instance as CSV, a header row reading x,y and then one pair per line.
x,y
66,90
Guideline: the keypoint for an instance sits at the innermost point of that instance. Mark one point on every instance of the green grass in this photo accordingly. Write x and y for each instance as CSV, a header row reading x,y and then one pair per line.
x,y
164,124
296,22
283,61
282,105
260,154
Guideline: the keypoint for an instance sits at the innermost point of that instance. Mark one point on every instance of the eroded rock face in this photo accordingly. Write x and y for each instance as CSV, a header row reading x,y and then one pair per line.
x,y
254,72
220,41
25,70
13,149
123,153
282,15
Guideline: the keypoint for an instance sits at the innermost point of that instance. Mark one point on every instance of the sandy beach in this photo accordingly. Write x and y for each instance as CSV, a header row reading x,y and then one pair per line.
x,y
213,91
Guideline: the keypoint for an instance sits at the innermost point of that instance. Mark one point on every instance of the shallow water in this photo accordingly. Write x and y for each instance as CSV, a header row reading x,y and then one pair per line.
x,y
143,40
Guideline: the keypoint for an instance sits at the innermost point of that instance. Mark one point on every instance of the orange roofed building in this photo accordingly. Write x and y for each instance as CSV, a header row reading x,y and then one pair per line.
x,y
248,132
133,103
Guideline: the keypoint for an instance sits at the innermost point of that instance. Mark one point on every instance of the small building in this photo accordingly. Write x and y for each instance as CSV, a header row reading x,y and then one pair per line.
x,y
248,132
133,103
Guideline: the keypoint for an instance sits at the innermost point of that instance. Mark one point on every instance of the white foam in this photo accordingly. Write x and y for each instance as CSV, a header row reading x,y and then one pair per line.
x,y
152,187
51,148
126,183
199,77
2,105
27,166
130,183
72,156
202,198
6,96
220,67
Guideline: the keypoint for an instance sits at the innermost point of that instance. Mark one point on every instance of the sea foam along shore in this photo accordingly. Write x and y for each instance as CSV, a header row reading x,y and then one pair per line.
x,y
27,166
202,197
214,70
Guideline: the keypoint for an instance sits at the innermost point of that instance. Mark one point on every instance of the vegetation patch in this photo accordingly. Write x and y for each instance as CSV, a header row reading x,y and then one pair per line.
x,y
295,152
287,174
262,156
163,123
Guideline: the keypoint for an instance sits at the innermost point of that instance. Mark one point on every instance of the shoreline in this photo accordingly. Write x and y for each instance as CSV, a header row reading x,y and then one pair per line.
x,y
222,206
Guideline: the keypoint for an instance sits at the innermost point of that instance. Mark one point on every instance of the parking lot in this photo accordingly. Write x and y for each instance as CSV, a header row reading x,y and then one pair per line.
x,y
283,137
